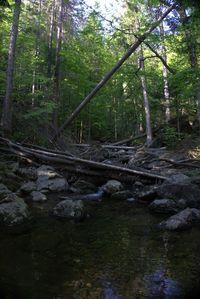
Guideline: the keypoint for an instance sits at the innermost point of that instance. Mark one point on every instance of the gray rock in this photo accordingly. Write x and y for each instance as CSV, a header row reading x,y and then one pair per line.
x,y
112,186
69,208
164,206
42,183
188,192
47,171
28,187
121,195
56,184
183,220
83,187
179,178
13,210
4,191
38,196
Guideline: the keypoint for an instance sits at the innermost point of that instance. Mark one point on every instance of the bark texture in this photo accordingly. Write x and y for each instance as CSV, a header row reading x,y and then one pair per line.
x,y
7,103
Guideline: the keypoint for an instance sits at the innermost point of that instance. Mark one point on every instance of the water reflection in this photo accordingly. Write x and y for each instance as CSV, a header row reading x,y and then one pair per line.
x,y
160,286
109,293
115,254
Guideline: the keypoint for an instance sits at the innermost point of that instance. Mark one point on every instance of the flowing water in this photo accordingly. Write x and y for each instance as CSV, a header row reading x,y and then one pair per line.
x,y
117,253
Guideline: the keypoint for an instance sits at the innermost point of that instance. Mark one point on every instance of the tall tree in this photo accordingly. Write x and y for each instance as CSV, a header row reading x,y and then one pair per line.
x,y
192,52
165,75
144,87
7,103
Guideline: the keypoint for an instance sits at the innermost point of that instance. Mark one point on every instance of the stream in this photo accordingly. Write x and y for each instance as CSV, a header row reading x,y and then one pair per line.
x,y
116,253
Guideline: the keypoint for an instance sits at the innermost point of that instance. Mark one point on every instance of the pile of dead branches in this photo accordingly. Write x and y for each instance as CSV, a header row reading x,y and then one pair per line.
x,y
67,161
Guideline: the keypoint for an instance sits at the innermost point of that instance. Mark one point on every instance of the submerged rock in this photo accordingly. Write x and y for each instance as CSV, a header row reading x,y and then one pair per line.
x,y
148,195
183,220
69,208
121,195
83,187
131,200
13,210
164,206
38,196
161,286
112,186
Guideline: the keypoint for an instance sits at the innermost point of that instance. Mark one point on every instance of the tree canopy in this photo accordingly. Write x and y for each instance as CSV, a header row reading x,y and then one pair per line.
x,y
64,48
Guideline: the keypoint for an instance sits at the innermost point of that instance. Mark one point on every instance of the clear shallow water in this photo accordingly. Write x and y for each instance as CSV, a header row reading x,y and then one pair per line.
x,y
117,253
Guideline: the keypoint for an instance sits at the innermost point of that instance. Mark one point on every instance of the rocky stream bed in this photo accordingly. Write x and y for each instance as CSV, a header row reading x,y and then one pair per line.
x,y
69,236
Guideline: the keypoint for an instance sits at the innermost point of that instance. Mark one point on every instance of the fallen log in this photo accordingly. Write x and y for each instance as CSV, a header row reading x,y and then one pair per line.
x,y
64,159
132,138
106,146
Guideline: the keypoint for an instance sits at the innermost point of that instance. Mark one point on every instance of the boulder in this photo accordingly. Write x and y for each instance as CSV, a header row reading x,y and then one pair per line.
x,y
83,187
28,187
188,192
13,210
38,196
4,191
56,184
112,186
69,208
164,206
183,220
121,195
179,178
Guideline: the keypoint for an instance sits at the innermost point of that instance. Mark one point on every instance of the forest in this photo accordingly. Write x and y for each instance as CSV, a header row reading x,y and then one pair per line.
x,y
54,53
99,149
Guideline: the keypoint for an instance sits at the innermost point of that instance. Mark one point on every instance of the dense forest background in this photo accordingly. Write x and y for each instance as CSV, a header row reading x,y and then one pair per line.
x,y
54,52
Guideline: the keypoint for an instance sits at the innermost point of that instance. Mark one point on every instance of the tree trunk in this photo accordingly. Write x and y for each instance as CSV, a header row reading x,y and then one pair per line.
x,y
60,5
7,103
146,99
144,91
37,52
50,30
165,78
115,68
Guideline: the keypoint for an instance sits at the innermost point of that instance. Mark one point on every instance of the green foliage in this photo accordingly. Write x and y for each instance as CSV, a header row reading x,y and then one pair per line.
x,y
87,53
170,136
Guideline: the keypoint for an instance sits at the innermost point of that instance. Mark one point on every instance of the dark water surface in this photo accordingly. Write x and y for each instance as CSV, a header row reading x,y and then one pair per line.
x,y
117,253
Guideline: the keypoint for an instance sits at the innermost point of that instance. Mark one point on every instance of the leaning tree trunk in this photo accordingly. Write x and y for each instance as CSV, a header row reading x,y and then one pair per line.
x,y
7,103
